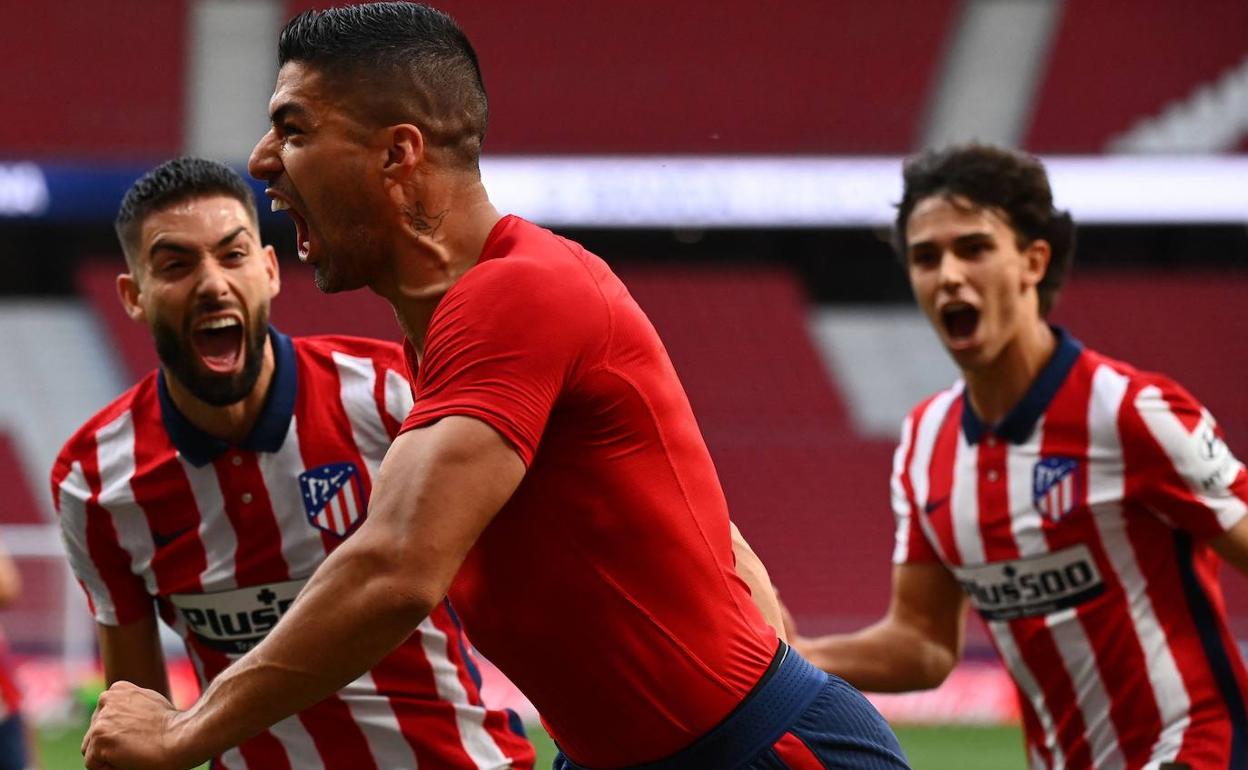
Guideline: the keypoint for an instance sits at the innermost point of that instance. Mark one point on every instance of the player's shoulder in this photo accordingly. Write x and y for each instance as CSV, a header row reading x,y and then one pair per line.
x,y
940,401
534,263
85,441
1142,389
388,353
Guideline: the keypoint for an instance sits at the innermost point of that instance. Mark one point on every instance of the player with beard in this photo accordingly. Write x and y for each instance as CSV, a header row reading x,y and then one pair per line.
x,y
1081,506
551,475
211,490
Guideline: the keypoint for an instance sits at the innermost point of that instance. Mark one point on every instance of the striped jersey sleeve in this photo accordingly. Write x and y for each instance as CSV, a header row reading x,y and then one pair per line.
x,y
1184,469
115,594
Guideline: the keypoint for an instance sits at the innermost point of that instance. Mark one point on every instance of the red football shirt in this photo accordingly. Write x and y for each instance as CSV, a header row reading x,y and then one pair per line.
x,y
605,588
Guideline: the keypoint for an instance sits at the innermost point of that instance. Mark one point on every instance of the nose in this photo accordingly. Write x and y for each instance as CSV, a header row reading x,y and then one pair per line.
x,y
213,284
951,274
264,163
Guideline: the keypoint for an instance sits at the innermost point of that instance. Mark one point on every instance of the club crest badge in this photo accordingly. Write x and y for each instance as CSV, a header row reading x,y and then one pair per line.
x,y
1056,487
333,497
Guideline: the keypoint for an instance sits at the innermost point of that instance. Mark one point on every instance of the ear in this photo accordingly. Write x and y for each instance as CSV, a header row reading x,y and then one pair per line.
x,y
405,151
128,292
1036,258
270,267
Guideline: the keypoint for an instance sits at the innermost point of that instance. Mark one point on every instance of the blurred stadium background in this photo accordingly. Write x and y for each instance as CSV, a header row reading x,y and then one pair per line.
x,y
736,162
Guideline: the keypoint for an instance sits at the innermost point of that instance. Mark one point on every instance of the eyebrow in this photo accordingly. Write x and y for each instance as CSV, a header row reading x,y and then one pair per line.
x,y
961,240
287,110
165,244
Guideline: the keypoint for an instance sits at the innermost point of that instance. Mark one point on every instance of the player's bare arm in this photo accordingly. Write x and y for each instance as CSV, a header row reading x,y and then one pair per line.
x,y
1233,546
132,653
437,490
913,647
750,568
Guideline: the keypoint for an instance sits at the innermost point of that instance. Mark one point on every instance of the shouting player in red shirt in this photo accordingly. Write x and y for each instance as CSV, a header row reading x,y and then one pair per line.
x,y
212,489
551,475
1080,505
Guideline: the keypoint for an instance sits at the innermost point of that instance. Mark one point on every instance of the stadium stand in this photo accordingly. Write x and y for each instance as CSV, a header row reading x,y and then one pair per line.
x,y
126,103
1110,68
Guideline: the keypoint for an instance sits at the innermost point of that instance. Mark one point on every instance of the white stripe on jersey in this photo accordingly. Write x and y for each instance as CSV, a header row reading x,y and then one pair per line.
x,y
115,456
964,497
398,396
359,380
1027,684
73,493
220,542
297,743
929,426
1177,442
903,513
376,719
477,741
1026,527
1105,493
1069,636
302,547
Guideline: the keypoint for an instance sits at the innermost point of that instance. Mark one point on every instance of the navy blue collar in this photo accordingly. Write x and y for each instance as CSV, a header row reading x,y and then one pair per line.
x,y
270,429
1021,421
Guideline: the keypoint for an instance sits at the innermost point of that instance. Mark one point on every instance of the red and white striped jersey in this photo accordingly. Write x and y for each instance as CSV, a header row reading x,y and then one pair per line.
x,y
1079,528
222,537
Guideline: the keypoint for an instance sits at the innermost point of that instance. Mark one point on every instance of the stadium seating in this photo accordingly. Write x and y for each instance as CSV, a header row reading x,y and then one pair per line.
x,y
1111,67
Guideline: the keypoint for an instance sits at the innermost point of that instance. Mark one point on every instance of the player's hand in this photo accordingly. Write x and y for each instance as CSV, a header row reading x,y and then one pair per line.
x,y
133,729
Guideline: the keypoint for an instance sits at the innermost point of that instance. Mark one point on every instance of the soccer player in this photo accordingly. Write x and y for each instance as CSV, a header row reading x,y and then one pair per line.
x,y
212,489
1078,504
16,746
550,475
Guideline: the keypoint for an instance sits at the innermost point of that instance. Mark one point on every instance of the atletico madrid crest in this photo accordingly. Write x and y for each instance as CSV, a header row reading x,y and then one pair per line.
x,y
333,497
1056,487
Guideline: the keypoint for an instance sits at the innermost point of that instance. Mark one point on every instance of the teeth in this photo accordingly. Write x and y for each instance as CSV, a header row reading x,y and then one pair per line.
x,y
278,205
216,323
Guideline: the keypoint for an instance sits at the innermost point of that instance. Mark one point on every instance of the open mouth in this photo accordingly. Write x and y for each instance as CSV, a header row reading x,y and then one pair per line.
x,y
219,343
303,238
960,320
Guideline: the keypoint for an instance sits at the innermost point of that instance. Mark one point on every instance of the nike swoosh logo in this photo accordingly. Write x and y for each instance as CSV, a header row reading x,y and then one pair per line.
x,y
162,539
932,506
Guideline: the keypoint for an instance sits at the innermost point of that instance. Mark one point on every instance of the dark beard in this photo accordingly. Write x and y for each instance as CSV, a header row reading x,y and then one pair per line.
x,y
179,357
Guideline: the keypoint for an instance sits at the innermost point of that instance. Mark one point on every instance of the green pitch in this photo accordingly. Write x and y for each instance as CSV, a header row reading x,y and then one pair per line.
x,y
951,747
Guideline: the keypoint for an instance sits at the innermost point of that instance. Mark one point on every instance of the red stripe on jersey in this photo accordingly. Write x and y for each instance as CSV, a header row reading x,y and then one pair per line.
x,y
1031,725
337,737
795,754
264,752
917,548
1035,642
162,490
940,479
259,556
129,595
1120,658
428,725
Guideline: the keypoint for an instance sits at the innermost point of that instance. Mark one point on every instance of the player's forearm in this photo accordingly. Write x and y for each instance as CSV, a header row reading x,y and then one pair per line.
x,y
358,606
884,657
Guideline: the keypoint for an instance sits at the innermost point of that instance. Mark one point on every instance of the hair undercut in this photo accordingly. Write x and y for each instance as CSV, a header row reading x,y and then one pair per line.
x,y
401,63
172,182
1012,183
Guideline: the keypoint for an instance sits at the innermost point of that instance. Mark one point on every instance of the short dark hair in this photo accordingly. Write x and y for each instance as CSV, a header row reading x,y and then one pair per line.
x,y
409,61
172,182
1013,183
